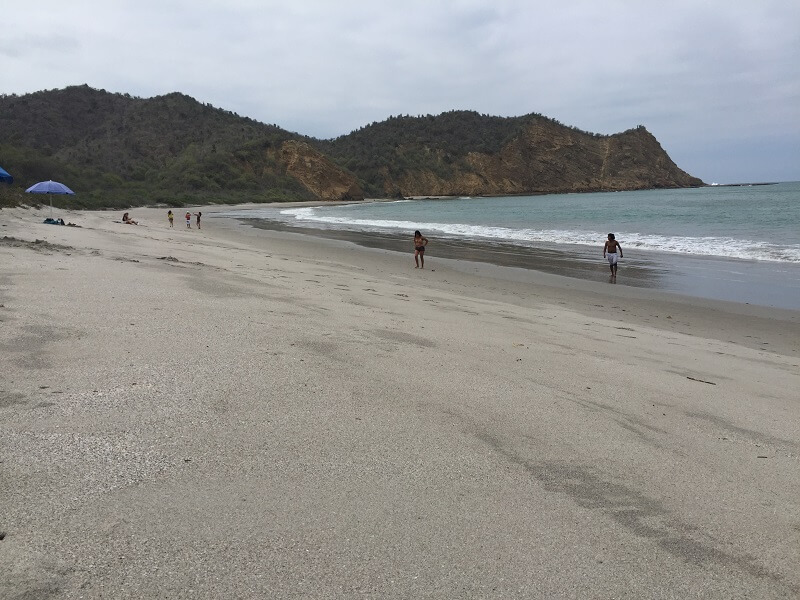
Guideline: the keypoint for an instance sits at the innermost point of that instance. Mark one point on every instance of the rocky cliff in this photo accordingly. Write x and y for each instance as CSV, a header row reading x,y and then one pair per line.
x,y
318,174
550,158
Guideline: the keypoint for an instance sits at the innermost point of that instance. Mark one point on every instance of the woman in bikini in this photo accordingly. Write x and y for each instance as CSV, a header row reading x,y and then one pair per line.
x,y
419,249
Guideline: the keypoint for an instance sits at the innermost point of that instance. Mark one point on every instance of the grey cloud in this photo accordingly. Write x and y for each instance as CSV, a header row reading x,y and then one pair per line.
x,y
711,80
35,45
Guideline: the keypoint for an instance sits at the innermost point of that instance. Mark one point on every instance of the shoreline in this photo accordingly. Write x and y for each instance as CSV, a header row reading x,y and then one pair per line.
x,y
709,317
770,284
254,413
648,303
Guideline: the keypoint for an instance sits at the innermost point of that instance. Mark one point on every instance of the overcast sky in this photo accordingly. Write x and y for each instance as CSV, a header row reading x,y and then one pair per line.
x,y
716,81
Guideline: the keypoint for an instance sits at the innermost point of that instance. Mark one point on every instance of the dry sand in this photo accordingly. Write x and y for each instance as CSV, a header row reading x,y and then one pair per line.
x,y
236,413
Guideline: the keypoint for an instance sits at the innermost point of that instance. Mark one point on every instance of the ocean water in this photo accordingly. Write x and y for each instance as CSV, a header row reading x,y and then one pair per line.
x,y
734,237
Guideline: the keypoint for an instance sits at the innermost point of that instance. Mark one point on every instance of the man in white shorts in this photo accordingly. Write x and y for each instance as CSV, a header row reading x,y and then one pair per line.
x,y
610,252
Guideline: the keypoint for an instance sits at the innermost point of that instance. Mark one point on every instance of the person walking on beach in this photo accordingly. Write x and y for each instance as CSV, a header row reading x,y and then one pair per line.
x,y
610,252
188,220
170,216
419,249
198,214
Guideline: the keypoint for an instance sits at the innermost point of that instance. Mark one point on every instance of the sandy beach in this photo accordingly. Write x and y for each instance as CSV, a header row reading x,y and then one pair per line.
x,y
243,413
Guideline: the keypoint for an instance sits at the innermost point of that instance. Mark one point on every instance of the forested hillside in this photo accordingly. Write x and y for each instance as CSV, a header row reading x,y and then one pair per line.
x,y
463,152
116,150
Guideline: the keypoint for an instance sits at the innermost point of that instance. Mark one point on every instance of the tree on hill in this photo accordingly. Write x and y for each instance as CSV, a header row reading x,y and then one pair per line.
x,y
116,150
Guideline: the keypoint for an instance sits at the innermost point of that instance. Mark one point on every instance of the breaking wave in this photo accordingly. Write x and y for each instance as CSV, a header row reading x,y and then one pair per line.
x,y
726,247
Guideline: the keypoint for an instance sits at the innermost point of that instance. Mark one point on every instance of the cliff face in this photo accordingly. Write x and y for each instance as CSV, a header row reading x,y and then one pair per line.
x,y
318,174
549,158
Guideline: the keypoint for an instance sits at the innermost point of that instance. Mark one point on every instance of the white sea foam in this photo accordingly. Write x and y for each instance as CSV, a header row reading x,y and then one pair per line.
x,y
702,246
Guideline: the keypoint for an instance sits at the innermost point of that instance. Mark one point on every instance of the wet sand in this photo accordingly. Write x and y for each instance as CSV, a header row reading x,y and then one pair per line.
x,y
765,283
236,412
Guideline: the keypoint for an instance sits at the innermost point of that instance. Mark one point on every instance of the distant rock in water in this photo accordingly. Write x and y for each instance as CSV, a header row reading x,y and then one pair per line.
x,y
115,150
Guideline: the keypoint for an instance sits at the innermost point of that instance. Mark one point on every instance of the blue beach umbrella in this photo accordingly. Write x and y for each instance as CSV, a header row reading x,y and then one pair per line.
x,y
5,177
49,187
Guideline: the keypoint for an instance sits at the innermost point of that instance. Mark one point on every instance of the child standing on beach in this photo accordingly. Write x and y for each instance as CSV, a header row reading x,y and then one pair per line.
x,y
198,214
419,249
188,220
610,252
170,216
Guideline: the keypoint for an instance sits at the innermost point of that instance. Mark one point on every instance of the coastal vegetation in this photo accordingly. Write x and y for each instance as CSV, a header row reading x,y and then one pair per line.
x,y
438,143
116,150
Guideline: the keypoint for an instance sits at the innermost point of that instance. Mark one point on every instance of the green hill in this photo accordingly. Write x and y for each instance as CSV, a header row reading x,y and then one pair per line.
x,y
465,153
116,151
